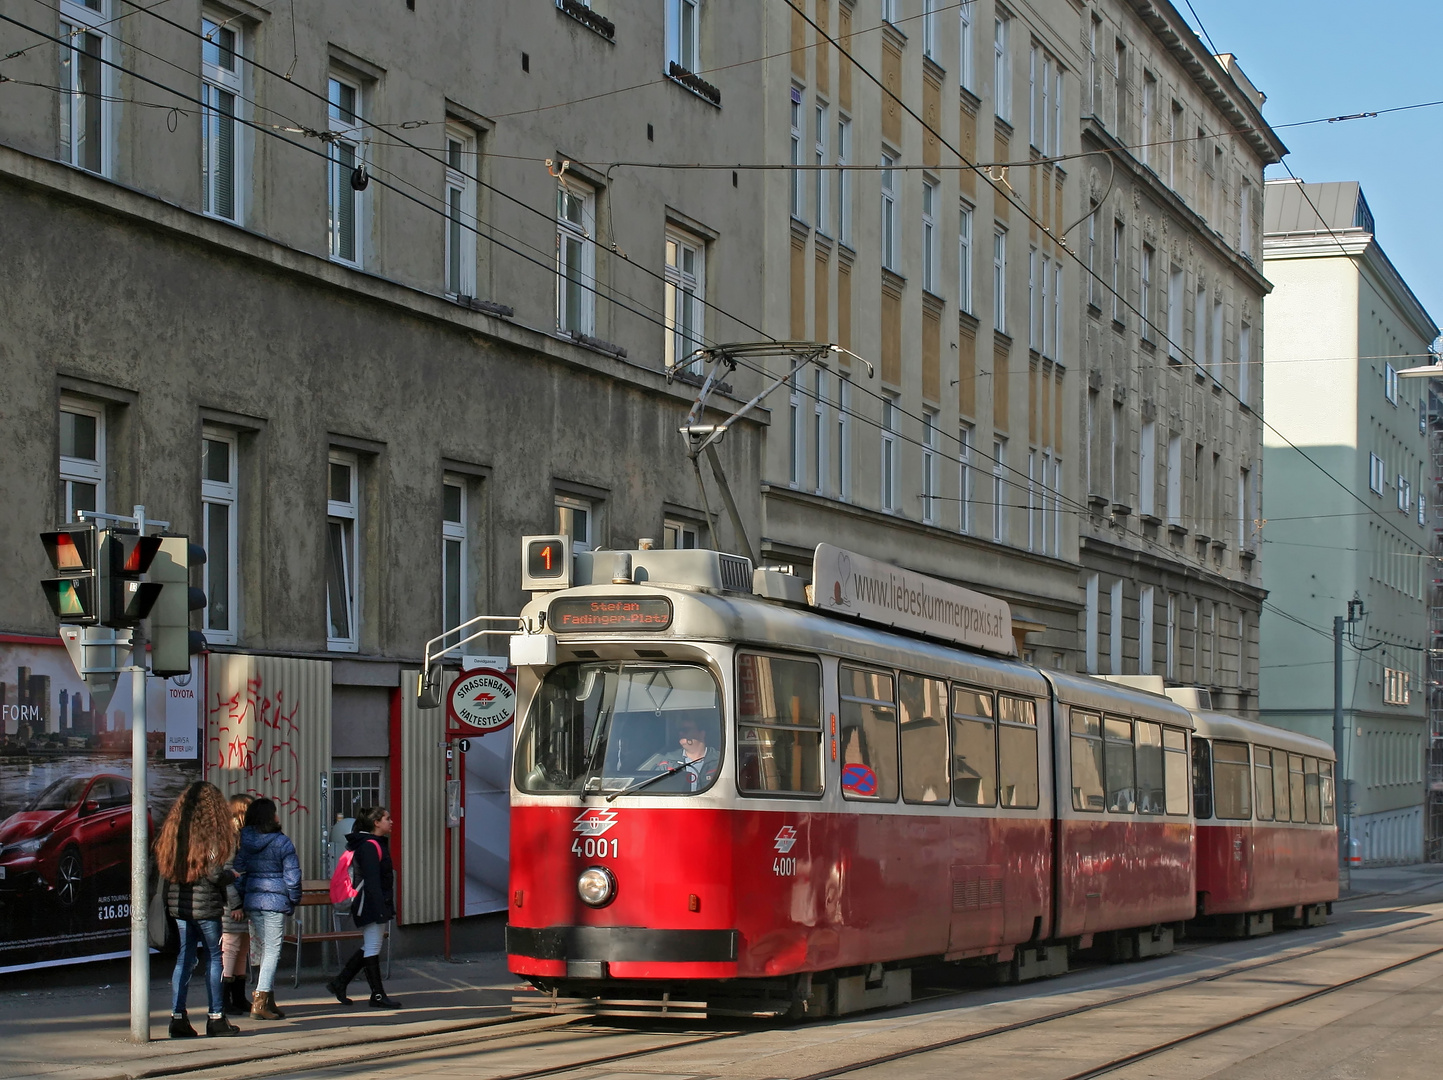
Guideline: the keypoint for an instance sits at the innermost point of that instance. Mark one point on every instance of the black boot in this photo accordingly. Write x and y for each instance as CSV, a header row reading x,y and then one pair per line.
x,y
237,1001
379,1000
180,1027
219,1025
338,985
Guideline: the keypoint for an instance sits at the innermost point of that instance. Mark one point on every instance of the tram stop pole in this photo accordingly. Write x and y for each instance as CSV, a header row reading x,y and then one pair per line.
x,y
139,849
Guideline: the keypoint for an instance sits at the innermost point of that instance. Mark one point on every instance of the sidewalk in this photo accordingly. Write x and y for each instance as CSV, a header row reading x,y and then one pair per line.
x,y
79,1031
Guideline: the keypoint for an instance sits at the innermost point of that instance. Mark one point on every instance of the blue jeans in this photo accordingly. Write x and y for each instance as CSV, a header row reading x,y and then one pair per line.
x,y
193,935
267,929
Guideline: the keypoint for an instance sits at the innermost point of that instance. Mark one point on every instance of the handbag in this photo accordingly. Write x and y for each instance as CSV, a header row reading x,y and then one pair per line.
x,y
160,927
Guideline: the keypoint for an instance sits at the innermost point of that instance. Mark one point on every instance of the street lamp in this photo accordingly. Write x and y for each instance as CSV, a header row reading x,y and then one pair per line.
x,y
1427,371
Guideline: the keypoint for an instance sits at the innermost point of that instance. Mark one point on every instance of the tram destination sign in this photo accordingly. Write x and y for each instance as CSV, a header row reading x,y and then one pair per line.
x,y
576,615
846,583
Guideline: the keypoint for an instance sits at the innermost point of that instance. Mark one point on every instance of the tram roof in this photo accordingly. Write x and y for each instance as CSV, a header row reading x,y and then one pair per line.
x,y
1085,692
704,615
1216,725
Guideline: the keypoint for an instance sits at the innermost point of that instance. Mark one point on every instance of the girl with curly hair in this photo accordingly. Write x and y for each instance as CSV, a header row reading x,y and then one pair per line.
x,y
192,850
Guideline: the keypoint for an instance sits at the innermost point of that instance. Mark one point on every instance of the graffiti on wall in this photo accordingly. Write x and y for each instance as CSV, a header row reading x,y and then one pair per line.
x,y
251,740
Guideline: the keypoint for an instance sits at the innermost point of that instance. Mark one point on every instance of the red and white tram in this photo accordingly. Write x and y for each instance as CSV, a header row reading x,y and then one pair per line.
x,y
750,806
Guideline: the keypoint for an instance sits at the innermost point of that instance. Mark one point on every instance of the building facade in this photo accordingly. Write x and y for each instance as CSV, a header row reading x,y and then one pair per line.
x,y
357,310
1171,335
1349,476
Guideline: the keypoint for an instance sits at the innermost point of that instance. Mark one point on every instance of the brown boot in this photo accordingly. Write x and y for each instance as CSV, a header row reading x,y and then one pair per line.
x,y
263,1006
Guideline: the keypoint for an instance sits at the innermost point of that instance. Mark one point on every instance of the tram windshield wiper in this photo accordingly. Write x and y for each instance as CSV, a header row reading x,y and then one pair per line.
x,y
652,779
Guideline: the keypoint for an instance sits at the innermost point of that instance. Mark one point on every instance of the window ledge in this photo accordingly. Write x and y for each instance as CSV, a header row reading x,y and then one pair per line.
x,y
935,71
1148,344
600,25
1119,326
967,319
970,100
695,83
1150,519
893,282
595,344
932,302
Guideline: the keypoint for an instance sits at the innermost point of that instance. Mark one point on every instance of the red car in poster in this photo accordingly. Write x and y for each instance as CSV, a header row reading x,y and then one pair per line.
x,y
73,831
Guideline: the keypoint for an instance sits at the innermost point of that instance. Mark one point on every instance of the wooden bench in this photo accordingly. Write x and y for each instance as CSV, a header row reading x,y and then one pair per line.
x,y
318,894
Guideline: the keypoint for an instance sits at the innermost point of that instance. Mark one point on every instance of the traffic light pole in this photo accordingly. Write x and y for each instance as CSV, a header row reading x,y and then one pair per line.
x,y
139,847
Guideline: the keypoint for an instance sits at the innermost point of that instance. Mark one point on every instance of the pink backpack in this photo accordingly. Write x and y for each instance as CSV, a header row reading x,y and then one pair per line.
x,y
343,890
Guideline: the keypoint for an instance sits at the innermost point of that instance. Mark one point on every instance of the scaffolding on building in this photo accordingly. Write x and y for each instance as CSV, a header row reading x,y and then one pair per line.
x,y
1433,824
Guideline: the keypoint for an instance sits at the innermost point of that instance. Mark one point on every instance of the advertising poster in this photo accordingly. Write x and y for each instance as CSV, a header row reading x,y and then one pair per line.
x,y
65,801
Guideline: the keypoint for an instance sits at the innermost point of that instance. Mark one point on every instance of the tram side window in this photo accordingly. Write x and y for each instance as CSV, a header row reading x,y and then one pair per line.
x,y
1325,774
1017,751
1174,767
974,748
1232,781
924,738
779,725
869,735
1202,778
1121,778
1311,797
1263,781
1297,787
1150,796
1087,766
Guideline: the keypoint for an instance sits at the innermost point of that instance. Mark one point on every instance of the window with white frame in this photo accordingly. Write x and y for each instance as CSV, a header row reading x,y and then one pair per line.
x,y
342,552
1057,506
1174,479
683,34
1200,328
1405,494
889,11
344,159
220,507
1375,474
964,478
929,28
1174,137
1044,80
930,466
965,72
820,129
576,518
797,189
85,102
1245,362
576,257
1057,112
1114,630
1002,66
1216,356
1044,304
461,161
220,62
685,275
796,427
1034,529
1390,384
1119,249
1170,659
1244,522
1145,614
930,271
844,439
964,258
82,457
889,212
1090,623
1174,313
820,431
1149,256
1149,119
1057,310
680,535
1092,278
999,279
844,179
1146,468
1094,71
1245,220
1032,298
1119,89
999,487
455,586
889,452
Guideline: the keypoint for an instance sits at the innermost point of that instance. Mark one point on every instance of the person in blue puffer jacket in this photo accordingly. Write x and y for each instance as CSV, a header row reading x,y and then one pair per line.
x,y
270,887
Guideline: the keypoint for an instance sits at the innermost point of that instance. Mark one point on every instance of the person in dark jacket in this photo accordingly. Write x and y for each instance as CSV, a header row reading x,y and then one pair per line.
x,y
270,889
191,852
374,906
235,937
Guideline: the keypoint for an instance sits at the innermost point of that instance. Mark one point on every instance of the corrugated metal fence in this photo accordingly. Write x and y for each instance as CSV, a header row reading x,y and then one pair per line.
x,y
422,818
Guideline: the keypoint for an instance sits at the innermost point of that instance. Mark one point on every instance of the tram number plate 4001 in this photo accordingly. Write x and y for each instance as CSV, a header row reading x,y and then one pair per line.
x,y
784,867
594,847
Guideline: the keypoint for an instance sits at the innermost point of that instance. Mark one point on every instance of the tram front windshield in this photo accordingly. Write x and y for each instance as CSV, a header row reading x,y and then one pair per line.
x,y
602,728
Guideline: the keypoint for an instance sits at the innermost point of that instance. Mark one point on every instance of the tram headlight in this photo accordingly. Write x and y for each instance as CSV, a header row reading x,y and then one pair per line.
x,y
596,886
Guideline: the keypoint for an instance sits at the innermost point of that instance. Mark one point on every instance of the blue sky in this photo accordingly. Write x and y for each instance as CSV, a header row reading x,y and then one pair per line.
x,y
1316,58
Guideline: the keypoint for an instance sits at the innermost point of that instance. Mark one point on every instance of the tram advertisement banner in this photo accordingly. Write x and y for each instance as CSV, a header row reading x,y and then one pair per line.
x,y
65,801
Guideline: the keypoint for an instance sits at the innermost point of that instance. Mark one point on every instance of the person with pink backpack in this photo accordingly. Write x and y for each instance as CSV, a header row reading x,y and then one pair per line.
x,y
364,875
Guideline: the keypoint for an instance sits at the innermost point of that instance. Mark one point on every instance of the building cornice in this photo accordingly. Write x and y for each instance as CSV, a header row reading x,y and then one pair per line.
x,y
1126,554
1231,100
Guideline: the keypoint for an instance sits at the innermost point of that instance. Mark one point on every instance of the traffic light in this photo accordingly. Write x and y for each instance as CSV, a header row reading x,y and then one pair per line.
x,y
74,596
126,556
172,641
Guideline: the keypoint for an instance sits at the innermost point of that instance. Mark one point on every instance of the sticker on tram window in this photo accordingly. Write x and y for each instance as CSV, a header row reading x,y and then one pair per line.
x,y
576,615
594,847
859,779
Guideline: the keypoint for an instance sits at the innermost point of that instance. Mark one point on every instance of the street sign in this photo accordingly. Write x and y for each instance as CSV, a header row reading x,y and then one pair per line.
x,y
100,655
482,701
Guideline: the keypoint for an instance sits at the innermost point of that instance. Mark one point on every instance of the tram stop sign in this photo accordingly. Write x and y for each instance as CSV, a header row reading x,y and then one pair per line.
x,y
482,700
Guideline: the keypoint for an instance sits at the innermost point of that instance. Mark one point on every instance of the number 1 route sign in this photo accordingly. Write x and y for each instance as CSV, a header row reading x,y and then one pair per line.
x,y
482,700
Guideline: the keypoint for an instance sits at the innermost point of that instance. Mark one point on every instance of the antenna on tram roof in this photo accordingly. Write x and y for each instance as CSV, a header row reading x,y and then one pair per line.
x,y
702,438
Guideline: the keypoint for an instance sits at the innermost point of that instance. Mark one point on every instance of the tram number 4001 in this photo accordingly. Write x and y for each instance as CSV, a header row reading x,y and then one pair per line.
x,y
594,847
784,867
